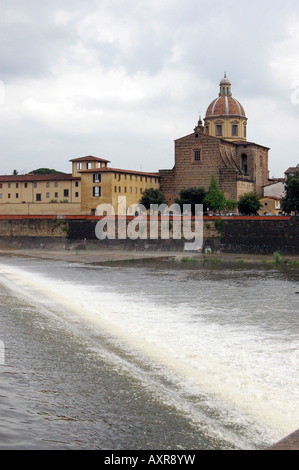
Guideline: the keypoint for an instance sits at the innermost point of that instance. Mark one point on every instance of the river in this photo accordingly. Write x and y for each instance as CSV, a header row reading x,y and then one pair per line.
x,y
147,355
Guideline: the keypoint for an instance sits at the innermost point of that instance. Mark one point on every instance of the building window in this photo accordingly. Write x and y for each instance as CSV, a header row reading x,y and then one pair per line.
x,y
96,191
56,184
130,177
219,130
1,196
9,185
76,184
65,193
8,195
119,189
244,165
48,195
79,166
131,190
35,185
234,130
17,195
17,185
115,189
1,186
38,197
88,166
56,194
125,188
25,185
47,184
197,155
97,178
76,194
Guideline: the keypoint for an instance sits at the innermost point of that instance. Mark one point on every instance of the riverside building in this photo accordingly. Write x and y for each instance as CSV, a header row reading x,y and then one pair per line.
x,y
91,183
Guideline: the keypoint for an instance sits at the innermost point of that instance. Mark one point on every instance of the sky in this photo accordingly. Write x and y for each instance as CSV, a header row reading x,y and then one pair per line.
x,y
122,79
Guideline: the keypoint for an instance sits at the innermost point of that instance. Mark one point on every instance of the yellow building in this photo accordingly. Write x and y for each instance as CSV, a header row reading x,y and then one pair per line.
x,y
270,205
90,184
101,184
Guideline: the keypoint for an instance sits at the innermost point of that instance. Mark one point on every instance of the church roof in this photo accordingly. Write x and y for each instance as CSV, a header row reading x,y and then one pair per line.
x,y
225,106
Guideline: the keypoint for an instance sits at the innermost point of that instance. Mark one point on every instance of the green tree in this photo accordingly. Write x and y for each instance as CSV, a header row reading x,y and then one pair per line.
x,y
192,196
230,204
249,203
152,196
291,200
46,171
215,199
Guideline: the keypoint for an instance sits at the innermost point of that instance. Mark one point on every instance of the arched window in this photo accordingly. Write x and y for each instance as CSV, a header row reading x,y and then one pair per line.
x,y
234,130
219,130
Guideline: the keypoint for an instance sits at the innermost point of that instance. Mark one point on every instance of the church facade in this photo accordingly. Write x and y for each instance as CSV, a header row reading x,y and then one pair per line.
x,y
218,147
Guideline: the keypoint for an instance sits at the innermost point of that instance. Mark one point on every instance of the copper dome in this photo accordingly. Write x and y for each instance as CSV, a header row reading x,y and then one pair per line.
x,y
225,106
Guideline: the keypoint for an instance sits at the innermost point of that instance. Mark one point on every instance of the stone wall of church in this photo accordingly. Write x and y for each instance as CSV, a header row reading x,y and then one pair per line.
x,y
167,184
227,182
257,164
191,172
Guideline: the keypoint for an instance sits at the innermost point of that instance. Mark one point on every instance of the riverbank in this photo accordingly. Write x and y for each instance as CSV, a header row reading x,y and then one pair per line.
x,y
109,256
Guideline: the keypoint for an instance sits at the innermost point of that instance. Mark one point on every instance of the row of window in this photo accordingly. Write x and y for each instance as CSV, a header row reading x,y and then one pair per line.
x,y
125,190
235,130
38,196
35,185
97,191
139,177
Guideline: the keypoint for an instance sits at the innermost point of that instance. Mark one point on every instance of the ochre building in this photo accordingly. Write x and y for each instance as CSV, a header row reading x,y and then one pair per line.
x,y
218,147
91,183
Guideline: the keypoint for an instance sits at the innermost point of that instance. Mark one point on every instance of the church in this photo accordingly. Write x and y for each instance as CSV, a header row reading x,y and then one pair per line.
x,y
218,146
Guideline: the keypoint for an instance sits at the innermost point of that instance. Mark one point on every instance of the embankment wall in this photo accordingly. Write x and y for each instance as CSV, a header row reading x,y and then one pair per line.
x,y
256,235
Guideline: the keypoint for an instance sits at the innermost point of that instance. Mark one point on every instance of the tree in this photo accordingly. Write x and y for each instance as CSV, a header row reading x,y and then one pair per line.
x,y
230,204
215,199
291,200
192,196
46,171
249,203
152,196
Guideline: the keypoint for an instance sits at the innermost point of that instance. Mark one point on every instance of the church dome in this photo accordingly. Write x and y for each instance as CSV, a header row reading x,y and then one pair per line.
x,y
225,104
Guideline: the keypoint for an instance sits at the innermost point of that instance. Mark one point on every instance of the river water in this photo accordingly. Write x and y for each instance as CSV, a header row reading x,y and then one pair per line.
x,y
155,355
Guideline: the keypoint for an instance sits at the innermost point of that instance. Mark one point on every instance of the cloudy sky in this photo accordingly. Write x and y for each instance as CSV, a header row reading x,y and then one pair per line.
x,y
122,79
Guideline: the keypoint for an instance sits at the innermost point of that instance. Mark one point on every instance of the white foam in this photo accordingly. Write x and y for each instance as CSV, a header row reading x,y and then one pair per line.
x,y
242,367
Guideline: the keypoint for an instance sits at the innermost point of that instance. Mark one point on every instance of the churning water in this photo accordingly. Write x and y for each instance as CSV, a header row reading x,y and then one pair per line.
x,y
147,356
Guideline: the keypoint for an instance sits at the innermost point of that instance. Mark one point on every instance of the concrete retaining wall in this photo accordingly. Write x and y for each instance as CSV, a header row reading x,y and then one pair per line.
x,y
257,235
